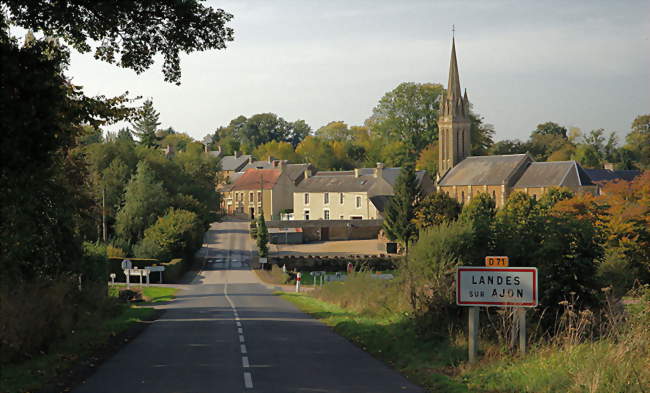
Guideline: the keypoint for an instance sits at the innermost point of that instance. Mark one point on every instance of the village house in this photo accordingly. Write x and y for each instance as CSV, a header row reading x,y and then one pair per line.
x,y
262,190
359,194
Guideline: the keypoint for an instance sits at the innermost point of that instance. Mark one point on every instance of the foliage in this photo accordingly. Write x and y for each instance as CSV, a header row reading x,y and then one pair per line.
x,y
146,124
176,234
479,213
144,200
317,152
262,236
129,34
481,135
408,113
335,131
400,212
276,150
428,159
638,140
434,209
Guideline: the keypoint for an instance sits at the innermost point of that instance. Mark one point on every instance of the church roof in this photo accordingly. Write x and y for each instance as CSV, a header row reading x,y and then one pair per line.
x,y
485,170
605,175
554,173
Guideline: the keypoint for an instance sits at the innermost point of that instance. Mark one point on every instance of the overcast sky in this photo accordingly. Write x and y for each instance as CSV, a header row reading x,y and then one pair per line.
x,y
578,63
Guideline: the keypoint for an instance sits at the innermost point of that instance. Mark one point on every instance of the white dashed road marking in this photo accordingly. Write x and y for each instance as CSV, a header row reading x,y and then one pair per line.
x,y
248,378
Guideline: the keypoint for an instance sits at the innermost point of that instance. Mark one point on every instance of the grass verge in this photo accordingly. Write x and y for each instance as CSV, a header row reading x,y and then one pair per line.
x,y
392,339
83,349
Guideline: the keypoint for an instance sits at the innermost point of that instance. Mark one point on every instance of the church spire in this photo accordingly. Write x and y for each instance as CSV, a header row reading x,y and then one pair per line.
x,y
453,85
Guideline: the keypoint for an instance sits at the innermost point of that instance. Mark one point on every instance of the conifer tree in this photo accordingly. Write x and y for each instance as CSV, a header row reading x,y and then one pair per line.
x,y
146,125
262,237
399,216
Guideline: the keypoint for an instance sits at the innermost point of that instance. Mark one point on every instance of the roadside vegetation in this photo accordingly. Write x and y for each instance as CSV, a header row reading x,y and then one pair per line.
x,y
92,335
589,333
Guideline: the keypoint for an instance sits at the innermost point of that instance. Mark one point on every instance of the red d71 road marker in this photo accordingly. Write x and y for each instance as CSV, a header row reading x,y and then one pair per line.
x,y
496,286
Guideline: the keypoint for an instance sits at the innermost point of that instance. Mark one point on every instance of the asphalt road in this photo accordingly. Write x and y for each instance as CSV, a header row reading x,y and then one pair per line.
x,y
229,333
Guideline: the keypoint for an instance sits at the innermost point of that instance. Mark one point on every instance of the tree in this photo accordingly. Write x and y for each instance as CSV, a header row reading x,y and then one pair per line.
x,y
408,113
638,140
335,131
428,159
550,128
144,200
129,33
177,234
262,237
317,152
480,214
299,130
399,215
146,125
482,135
277,150
434,209
588,156
508,147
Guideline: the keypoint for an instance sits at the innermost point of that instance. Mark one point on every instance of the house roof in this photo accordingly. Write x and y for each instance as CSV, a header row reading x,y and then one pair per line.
x,y
234,163
380,202
254,179
264,164
484,170
605,175
336,181
294,171
554,173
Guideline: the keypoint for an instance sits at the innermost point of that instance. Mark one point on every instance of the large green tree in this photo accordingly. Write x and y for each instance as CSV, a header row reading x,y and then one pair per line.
x,y
638,140
408,113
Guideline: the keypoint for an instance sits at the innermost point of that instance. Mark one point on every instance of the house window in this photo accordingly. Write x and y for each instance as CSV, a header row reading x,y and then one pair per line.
x,y
306,198
326,198
259,196
306,214
358,204
326,214
341,217
494,195
250,196
341,198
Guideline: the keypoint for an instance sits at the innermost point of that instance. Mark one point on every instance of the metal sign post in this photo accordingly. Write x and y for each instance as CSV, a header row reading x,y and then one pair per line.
x,y
496,287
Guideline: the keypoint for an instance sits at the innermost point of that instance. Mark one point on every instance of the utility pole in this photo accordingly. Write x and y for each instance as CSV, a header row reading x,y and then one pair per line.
x,y
261,201
104,212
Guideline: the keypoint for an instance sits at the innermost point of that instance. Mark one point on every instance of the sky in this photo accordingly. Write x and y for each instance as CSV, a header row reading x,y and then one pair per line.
x,y
579,63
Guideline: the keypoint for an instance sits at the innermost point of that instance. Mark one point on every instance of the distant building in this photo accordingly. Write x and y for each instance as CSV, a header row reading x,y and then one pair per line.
x,y
463,176
360,194
263,190
234,163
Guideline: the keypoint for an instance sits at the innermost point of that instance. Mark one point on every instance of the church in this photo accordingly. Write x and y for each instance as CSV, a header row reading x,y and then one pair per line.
x,y
463,177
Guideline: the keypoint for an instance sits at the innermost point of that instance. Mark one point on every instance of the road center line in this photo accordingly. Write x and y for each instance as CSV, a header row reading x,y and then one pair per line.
x,y
248,380
241,338
244,362
240,330
243,348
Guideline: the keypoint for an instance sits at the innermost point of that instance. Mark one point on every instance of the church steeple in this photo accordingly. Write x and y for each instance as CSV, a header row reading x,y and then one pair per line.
x,y
453,122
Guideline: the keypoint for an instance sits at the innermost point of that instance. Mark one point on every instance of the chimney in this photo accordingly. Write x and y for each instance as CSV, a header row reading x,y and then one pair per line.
x,y
269,159
219,149
236,154
356,172
609,166
282,164
307,173
250,159
379,169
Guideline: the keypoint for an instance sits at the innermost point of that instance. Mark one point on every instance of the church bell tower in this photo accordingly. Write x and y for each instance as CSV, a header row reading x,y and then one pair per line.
x,y
454,142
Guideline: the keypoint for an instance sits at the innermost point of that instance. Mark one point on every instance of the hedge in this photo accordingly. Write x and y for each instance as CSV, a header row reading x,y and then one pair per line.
x,y
174,270
334,264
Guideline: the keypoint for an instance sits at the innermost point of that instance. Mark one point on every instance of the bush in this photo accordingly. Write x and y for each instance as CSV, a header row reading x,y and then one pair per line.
x,y
178,233
335,264
174,270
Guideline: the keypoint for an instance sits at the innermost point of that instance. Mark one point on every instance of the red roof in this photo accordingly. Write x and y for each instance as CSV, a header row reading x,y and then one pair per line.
x,y
251,179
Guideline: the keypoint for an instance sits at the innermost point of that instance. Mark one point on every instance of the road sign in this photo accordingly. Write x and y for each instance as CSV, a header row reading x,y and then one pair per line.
x,y
126,264
496,286
497,261
263,260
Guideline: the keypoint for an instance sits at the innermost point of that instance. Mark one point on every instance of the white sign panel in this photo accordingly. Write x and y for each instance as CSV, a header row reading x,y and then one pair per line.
x,y
496,286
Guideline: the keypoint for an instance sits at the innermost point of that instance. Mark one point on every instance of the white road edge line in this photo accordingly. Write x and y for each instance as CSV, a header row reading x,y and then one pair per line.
x,y
241,338
248,380
243,348
244,362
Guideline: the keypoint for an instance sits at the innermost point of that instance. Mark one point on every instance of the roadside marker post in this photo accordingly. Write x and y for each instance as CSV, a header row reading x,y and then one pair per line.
x,y
298,278
496,287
